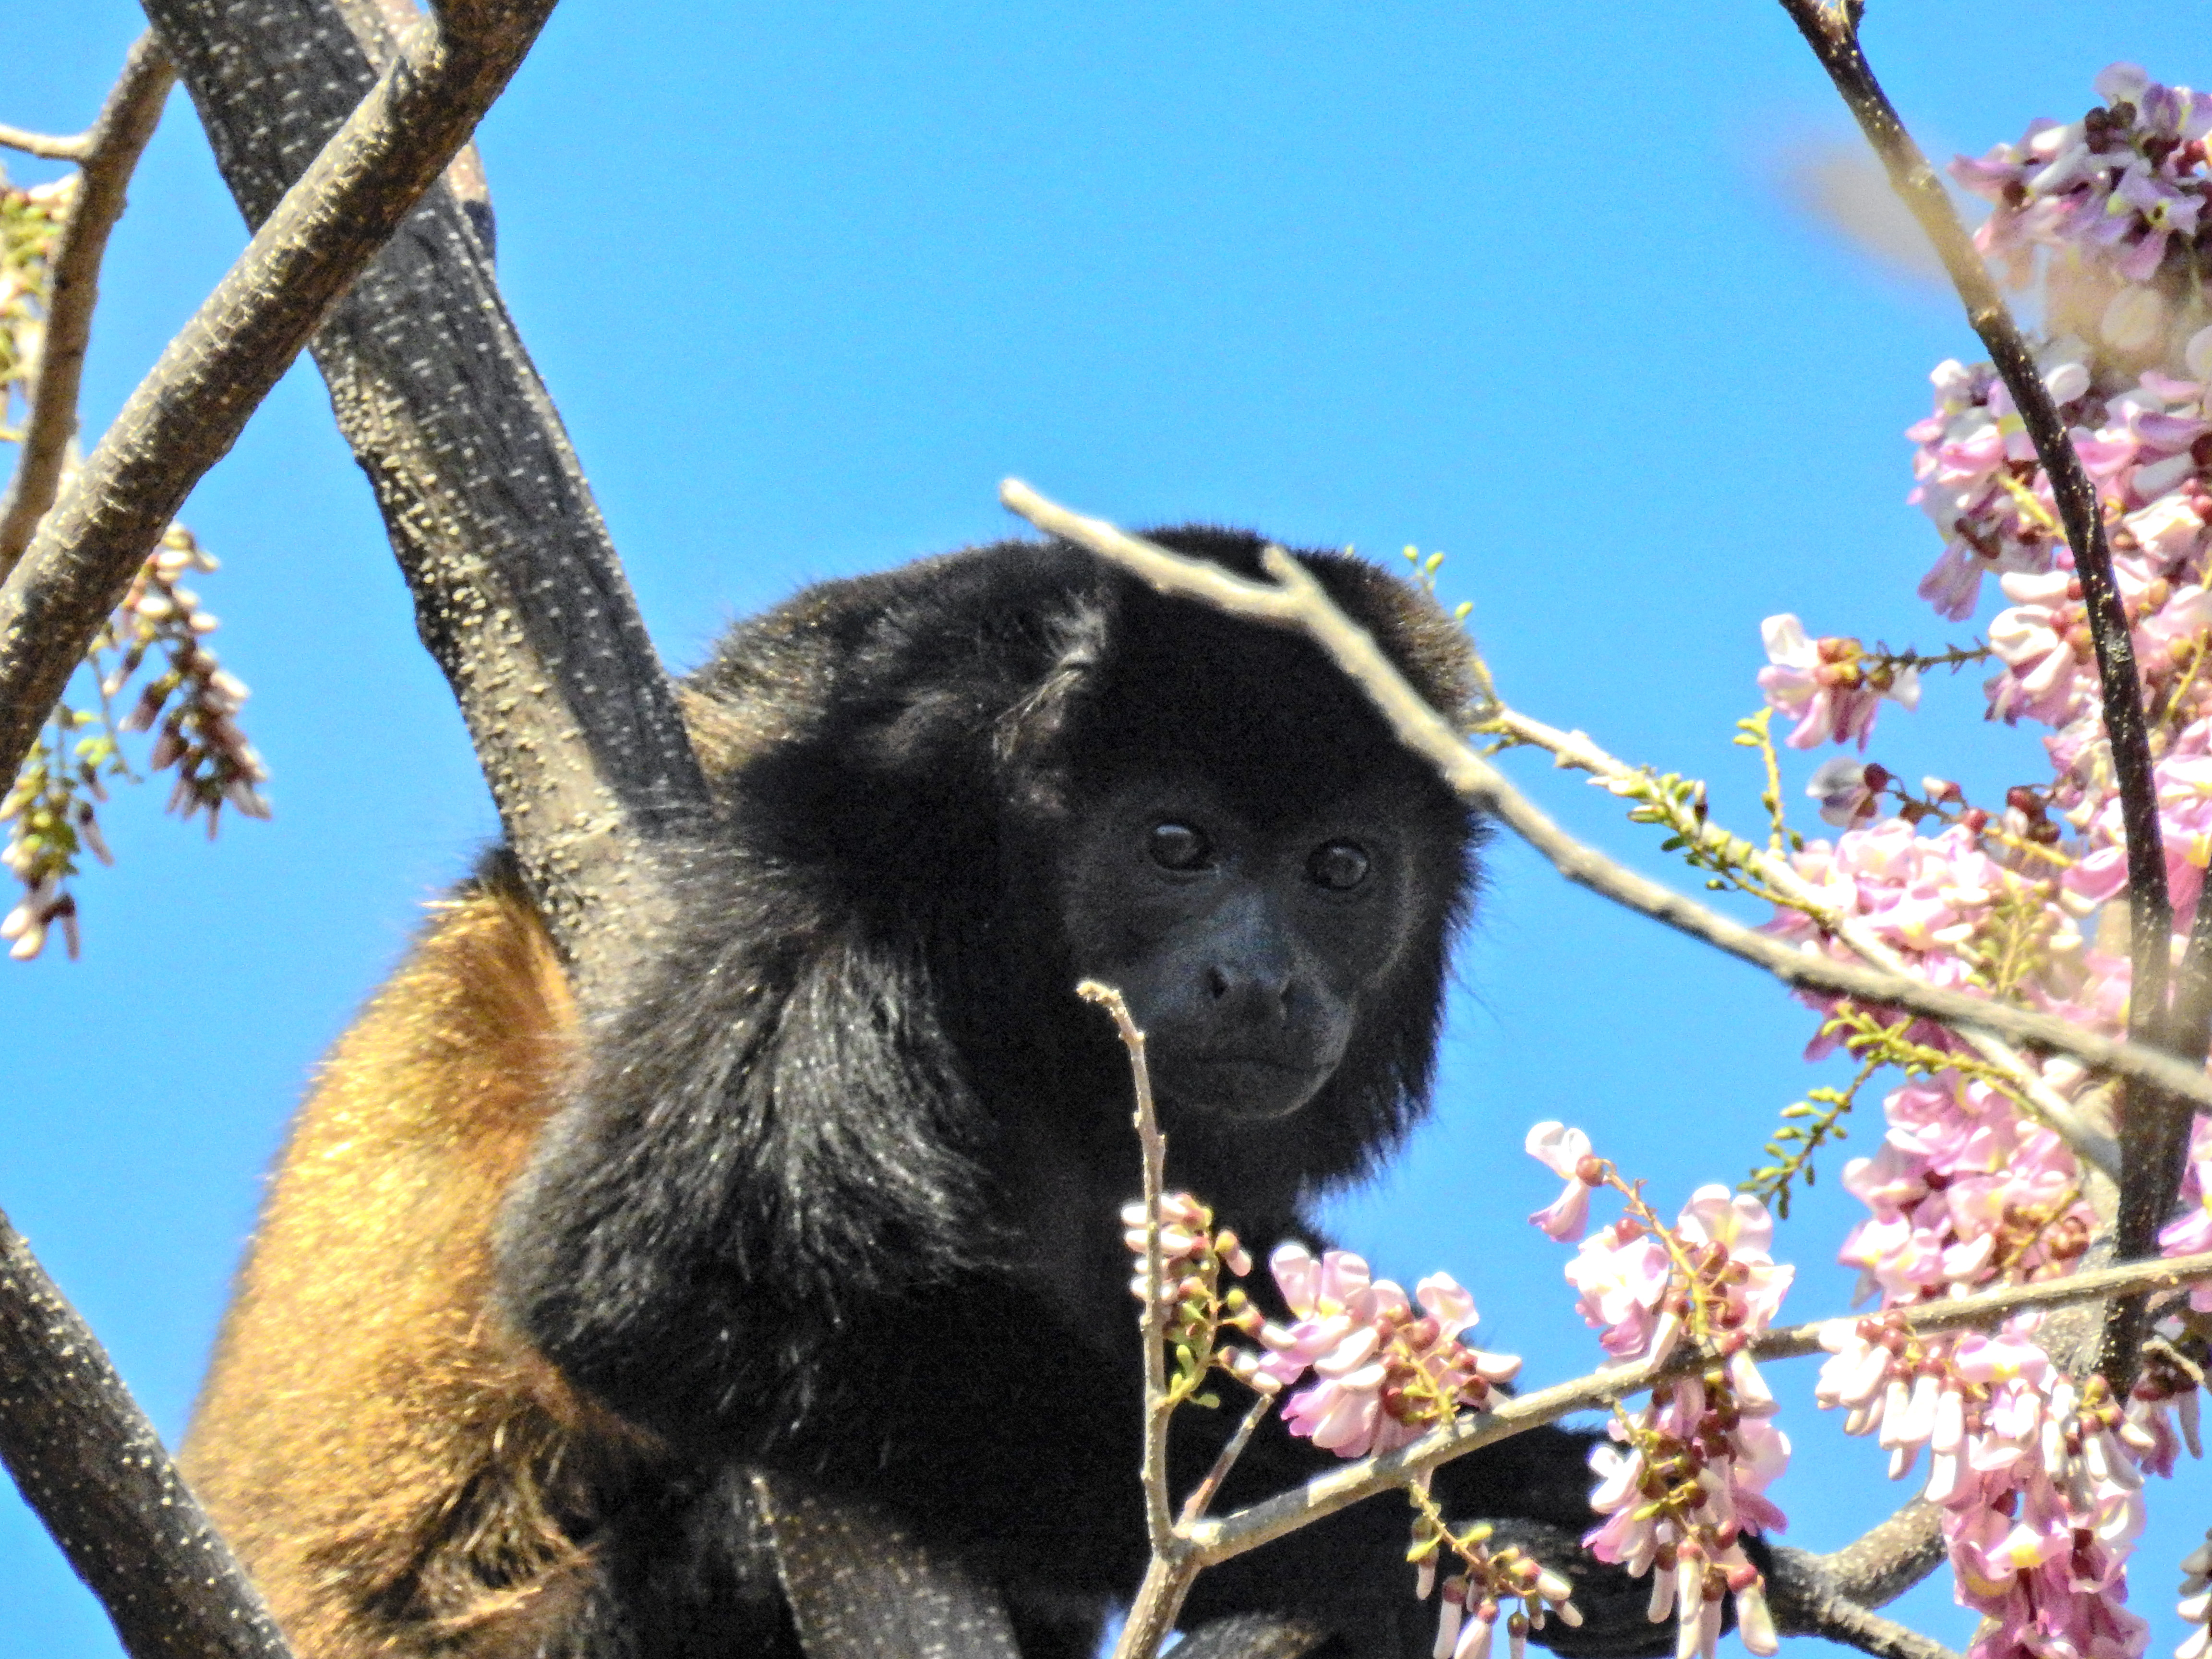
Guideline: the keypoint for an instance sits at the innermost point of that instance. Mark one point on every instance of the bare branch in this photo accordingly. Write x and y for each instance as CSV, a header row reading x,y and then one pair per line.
x,y
86,1460
1160,1518
1884,1562
2154,1147
45,145
2046,1104
1169,1573
1213,1541
1806,1602
92,1466
1296,601
1201,1495
111,152
518,593
192,407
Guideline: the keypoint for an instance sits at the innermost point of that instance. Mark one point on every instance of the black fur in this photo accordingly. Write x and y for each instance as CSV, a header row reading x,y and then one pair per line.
x,y
836,1193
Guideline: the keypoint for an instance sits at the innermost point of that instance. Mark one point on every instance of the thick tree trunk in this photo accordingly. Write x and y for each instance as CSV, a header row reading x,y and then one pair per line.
x,y
517,591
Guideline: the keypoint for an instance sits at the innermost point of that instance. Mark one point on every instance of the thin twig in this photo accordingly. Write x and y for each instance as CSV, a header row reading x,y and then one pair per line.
x,y
112,150
2047,1105
1159,1519
1211,1542
1295,600
45,145
2157,1126
1169,1573
1202,1496
1833,32
191,408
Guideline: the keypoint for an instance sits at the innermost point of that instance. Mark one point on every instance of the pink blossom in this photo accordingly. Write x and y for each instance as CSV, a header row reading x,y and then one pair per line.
x,y
1820,685
1382,1377
1562,1150
1622,1272
1841,786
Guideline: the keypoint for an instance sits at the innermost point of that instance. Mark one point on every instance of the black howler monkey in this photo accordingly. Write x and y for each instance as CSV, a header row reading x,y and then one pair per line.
x,y
832,1191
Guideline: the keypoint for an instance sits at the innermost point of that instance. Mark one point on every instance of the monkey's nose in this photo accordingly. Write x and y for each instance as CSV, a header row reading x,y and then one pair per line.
x,y
1249,992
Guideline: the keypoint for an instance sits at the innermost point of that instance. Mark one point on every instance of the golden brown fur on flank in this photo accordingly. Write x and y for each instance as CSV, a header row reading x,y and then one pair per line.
x,y
400,1471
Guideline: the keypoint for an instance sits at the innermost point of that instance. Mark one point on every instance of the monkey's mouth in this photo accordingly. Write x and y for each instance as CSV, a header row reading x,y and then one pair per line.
x,y
1244,1084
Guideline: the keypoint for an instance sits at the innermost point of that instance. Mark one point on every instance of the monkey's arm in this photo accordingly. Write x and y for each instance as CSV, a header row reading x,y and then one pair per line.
x,y
1349,1573
763,1151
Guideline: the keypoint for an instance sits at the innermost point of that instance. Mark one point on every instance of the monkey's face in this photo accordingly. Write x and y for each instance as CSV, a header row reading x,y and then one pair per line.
x,y
1245,942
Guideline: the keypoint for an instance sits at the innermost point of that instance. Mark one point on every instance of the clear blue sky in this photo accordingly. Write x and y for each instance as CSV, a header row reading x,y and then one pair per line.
x,y
1513,282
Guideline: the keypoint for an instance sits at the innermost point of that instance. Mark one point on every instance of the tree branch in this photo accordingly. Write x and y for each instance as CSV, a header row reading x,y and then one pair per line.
x,y
518,593
1886,1560
1295,600
2154,1146
189,410
1211,1542
2049,1107
92,1466
45,145
1808,1601
87,1461
109,154
1833,32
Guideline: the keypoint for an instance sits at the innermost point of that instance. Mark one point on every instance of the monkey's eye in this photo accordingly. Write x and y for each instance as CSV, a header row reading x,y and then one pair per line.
x,y
1339,866
1179,847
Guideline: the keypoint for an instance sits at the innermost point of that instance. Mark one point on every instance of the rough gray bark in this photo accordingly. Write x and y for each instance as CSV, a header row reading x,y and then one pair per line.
x,y
91,1465
517,591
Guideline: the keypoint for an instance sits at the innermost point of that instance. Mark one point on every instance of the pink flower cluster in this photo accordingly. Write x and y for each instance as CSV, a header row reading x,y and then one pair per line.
x,y
1384,1374
1701,1454
2124,189
2040,1481
1679,1501
2041,1484
1825,686
1188,1249
1963,1192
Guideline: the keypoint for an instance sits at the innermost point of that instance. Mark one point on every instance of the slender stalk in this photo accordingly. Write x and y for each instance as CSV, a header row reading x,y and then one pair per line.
x,y
46,146
1201,1495
1295,600
1168,1574
2046,1104
1159,1519
111,152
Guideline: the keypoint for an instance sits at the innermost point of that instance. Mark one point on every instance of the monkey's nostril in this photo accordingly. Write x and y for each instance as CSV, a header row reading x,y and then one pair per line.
x,y
1217,983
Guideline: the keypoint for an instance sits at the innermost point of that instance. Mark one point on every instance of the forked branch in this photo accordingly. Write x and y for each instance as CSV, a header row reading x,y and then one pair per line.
x,y
189,410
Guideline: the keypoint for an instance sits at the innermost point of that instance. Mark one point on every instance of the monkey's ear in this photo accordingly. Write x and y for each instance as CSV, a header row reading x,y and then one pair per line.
x,y
1031,740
